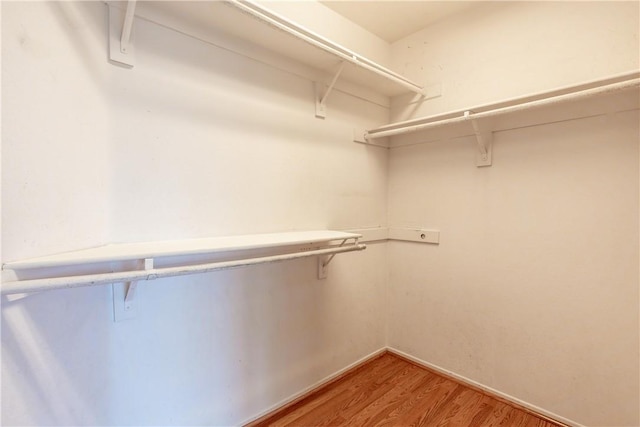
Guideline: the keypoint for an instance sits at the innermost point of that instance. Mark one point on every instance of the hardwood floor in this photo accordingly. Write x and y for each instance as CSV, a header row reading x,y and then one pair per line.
x,y
390,391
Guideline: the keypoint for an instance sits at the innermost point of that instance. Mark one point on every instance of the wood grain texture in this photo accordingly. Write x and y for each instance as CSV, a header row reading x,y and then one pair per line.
x,y
391,391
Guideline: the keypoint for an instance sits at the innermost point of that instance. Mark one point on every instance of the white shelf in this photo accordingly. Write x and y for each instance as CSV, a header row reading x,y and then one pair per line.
x,y
298,42
262,28
213,245
240,251
604,96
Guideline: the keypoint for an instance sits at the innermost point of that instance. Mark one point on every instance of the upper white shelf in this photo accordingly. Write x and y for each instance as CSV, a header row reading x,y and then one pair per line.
x,y
261,27
603,96
214,245
358,68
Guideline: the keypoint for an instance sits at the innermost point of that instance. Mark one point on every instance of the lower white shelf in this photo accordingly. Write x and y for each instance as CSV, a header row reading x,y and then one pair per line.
x,y
43,273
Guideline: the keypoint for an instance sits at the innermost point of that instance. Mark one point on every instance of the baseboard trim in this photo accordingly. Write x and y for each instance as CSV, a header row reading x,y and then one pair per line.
x,y
325,382
498,395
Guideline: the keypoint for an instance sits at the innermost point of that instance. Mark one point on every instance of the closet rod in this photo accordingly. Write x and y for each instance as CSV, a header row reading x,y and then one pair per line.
x,y
46,284
320,42
470,115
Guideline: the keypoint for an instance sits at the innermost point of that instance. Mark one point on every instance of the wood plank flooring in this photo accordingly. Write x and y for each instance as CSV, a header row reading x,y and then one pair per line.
x,y
390,391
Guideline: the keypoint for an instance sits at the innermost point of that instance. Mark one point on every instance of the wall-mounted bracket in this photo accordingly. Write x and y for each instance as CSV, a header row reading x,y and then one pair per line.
x,y
361,136
323,266
418,235
321,98
121,48
323,261
124,296
129,297
484,140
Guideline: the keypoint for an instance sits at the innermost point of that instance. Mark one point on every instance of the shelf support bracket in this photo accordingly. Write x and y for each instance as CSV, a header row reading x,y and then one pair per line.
x,y
121,48
484,140
321,100
124,296
130,295
323,261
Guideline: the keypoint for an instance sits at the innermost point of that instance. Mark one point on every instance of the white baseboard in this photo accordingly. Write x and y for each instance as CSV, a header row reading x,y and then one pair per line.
x,y
418,361
317,385
475,384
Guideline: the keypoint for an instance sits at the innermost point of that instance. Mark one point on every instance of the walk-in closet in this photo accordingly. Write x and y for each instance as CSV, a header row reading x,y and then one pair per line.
x,y
247,213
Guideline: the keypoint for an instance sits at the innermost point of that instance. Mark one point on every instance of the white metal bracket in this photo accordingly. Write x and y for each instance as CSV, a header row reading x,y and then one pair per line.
x,y
321,98
323,261
360,135
124,296
129,297
415,235
121,48
484,140
323,266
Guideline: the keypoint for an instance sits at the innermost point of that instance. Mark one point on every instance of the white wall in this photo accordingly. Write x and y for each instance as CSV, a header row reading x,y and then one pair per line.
x,y
194,141
327,23
533,290
54,99
499,50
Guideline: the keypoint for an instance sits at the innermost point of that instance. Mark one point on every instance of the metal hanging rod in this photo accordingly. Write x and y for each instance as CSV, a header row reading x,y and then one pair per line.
x,y
469,114
46,284
320,42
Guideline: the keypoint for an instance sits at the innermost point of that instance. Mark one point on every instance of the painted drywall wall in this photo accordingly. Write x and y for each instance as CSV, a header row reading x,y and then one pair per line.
x,y
64,194
533,290
500,50
194,141
324,21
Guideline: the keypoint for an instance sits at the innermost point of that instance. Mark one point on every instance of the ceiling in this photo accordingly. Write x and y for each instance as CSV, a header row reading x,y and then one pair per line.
x,y
393,20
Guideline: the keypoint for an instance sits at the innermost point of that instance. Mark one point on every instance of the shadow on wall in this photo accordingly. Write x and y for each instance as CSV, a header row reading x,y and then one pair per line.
x,y
55,351
207,348
86,28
